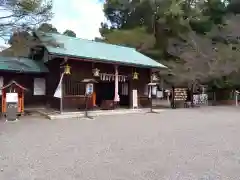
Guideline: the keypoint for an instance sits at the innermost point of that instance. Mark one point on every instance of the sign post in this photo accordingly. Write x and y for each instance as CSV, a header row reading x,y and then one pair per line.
x,y
236,97
58,93
12,100
12,106
88,94
152,91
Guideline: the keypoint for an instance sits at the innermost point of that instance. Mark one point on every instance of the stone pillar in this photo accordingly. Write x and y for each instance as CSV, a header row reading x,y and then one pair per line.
x,y
116,95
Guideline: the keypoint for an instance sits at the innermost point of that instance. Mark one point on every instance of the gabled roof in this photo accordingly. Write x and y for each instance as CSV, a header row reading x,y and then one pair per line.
x,y
14,82
98,51
22,65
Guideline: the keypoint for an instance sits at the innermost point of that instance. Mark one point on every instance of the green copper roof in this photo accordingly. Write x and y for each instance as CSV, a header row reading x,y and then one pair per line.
x,y
102,52
22,65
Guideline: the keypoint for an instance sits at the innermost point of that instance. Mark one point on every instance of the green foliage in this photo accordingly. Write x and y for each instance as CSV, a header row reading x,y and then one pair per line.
x,y
28,6
137,38
70,33
23,15
23,41
48,28
198,40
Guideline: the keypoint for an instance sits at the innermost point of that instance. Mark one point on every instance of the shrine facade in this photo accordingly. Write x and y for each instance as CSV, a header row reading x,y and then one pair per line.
x,y
117,76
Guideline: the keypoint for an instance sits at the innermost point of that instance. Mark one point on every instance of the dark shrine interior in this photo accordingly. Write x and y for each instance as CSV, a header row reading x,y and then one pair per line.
x,y
105,91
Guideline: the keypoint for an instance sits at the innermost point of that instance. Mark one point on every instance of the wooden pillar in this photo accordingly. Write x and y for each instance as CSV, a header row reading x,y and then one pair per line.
x,y
61,91
150,88
19,100
22,101
94,99
130,92
116,95
3,101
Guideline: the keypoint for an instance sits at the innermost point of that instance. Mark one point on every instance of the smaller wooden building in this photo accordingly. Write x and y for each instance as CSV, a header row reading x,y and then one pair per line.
x,y
13,87
22,72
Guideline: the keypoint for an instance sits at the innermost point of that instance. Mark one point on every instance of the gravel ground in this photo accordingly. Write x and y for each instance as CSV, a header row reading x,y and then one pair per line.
x,y
176,144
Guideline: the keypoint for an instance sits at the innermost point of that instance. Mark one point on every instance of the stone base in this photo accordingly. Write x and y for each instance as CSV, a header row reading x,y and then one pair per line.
x,y
67,115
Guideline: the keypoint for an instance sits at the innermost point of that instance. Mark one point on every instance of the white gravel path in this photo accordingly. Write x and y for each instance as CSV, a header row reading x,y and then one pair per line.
x,y
199,144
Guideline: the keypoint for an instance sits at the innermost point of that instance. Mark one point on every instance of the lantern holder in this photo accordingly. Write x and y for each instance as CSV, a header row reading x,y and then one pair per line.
x,y
66,69
154,77
96,72
87,96
135,75
151,85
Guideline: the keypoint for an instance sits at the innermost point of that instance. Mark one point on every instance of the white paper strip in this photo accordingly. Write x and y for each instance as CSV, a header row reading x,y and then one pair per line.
x,y
159,94
149,91
154,90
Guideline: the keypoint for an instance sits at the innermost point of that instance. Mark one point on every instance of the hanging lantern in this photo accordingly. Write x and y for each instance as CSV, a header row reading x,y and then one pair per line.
x,y
154,77
96,72
135,75
67,69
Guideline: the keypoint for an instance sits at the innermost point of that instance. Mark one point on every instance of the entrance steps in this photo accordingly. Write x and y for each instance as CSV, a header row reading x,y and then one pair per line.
x,y
81,114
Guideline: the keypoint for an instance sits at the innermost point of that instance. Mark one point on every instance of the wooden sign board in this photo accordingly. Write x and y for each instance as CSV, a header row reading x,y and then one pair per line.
x,y
180,94
89,88
12,106
12,97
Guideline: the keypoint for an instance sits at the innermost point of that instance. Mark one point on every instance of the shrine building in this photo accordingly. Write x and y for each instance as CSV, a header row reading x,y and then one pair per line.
x,y
60,70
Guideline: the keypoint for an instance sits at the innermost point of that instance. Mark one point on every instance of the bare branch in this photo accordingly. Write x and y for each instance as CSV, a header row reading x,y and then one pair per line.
x,y
23,15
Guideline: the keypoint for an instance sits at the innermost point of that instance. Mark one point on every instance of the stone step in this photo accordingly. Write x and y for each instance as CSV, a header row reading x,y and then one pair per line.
x,y
67,115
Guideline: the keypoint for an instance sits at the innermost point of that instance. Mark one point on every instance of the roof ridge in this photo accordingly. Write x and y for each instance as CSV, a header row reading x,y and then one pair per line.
x,y
92,41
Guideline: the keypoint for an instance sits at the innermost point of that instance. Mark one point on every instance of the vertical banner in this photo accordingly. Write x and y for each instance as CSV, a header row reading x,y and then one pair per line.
x,y
58,91
116,95
134,98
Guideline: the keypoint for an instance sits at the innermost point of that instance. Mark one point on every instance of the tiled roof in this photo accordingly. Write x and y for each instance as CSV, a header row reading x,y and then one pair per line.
x,y
98,51
22,65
